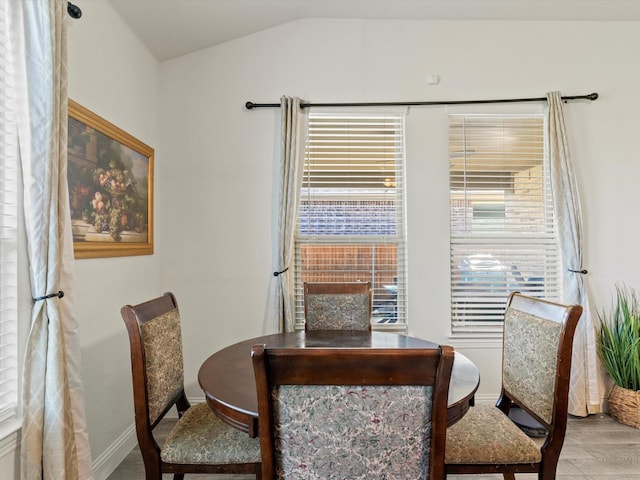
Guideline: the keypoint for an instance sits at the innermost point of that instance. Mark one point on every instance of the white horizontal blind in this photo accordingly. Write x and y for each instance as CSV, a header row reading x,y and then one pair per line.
x,y
8,227
351,224
503,236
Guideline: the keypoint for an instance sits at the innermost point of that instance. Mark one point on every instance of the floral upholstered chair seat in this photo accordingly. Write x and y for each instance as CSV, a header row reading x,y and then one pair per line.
x,y
199,429
485,435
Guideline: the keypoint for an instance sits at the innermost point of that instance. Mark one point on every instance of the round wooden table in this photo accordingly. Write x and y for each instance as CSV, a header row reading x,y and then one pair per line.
x,y
229,384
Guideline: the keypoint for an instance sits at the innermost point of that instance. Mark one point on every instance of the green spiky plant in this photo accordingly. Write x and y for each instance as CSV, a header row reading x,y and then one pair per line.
x,y
619,339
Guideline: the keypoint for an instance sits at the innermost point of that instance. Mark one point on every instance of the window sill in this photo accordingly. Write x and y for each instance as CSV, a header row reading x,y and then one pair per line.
x,y
390,327
476,340
9,435
376,327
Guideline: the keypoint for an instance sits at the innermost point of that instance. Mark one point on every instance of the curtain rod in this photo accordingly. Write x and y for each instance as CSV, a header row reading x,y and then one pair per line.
x,y
591,96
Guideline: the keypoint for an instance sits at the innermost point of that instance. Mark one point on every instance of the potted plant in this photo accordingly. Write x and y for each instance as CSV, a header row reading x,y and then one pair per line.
x,y
619,351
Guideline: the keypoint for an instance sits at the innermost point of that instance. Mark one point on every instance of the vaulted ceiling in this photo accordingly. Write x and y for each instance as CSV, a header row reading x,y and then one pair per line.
x,y
171,28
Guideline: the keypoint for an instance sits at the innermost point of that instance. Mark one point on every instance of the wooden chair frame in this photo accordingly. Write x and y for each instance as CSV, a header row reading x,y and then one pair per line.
x,y
133,317
350,366
337,288
568,316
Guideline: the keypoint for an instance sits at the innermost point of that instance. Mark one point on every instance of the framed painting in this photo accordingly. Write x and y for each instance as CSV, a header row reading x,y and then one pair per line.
x,y
110,177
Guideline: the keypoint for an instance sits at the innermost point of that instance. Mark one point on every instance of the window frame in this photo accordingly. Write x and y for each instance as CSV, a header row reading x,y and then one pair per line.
x,y
544,244
399,239
9,242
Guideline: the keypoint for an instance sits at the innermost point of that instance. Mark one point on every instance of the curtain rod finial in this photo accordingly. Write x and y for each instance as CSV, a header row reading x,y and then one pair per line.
x,y
73,10
592,96
249,105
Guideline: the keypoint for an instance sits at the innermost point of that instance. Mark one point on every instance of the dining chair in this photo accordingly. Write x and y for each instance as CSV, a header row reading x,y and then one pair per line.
x,y
536,368
199,442
352,413
337,306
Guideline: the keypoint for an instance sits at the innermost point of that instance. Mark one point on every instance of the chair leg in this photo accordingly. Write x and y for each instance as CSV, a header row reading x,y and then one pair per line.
x,y
152,469
178,476
509,476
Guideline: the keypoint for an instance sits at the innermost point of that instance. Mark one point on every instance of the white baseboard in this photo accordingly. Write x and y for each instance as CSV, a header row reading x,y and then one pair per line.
x,y
108,461
485,398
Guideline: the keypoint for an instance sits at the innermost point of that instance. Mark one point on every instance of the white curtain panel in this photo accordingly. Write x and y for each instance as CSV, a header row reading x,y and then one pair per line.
x,y
292,146
54,437
584,393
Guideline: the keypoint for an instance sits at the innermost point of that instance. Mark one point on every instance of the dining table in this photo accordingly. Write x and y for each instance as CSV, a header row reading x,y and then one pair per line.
x,y
228,381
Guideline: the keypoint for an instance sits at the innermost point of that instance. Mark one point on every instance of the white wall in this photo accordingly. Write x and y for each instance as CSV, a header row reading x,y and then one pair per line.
x,y
113,75
227,155
224,157
216,163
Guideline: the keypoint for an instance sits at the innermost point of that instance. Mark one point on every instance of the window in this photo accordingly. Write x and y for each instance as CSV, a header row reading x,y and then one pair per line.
x,y
503,236
351,224
8,229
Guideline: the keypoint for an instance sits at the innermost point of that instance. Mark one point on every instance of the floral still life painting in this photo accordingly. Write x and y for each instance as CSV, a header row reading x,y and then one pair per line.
x,y
110,177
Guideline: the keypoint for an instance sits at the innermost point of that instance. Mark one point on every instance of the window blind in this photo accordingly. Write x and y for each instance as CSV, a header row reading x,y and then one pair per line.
x,y
8,227
351,223
503,236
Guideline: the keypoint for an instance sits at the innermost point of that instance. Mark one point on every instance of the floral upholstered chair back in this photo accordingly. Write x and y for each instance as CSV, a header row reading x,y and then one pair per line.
x,y
530,357
325,418
355,430
162,345
337,306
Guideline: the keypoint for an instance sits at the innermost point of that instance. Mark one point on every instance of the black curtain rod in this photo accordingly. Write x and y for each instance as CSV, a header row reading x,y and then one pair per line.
x,y
591,96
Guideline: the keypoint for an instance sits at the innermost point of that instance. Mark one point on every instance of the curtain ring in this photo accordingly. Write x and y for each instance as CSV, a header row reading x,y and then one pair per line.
x,y
60,294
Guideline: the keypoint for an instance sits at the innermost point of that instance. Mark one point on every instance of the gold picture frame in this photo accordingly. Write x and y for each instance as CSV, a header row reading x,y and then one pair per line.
x,y
110,177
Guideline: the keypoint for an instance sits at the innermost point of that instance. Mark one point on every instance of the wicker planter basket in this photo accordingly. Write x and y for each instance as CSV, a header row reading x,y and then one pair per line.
x,y
624,406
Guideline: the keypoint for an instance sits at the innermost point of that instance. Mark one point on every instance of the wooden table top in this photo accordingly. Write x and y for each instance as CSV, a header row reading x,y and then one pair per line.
x,y
227,379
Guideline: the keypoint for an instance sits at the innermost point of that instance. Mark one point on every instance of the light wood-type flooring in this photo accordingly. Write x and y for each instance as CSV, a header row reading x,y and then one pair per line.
x,y
595,448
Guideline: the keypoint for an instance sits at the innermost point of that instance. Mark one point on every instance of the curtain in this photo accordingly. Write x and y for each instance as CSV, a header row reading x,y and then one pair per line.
x,y
54,439
292,146
584,393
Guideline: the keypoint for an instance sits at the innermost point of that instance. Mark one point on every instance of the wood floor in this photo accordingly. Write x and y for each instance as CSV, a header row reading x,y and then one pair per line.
x,y
595,448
